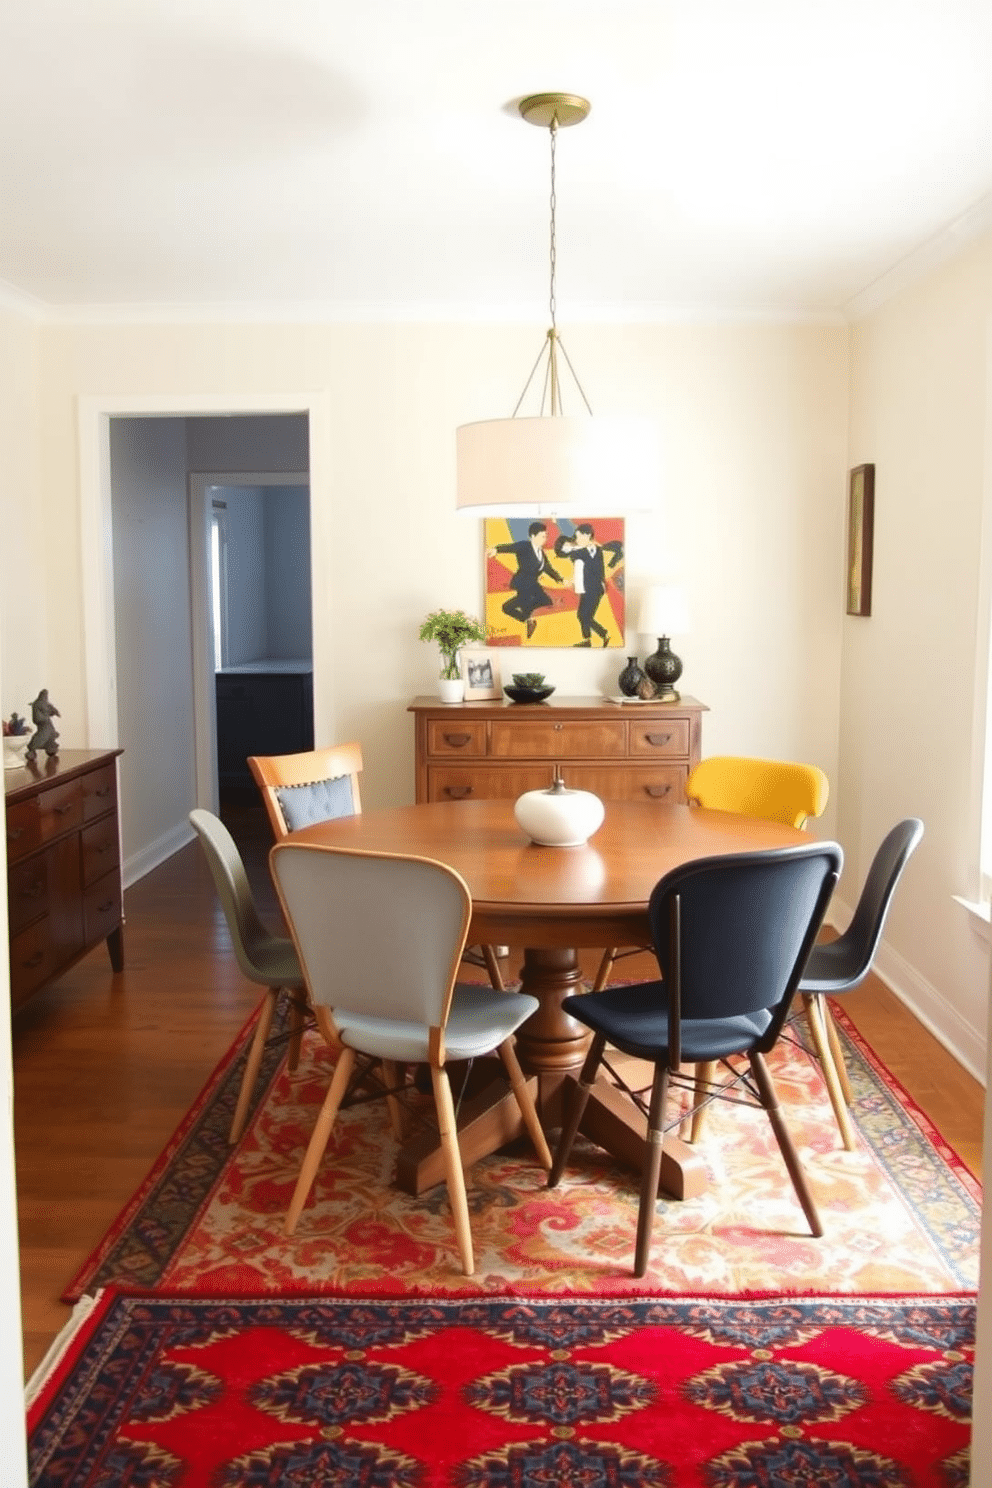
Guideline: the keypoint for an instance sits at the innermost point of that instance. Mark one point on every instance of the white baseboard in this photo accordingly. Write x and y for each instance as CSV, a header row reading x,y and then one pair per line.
x,y
966,1043
150,857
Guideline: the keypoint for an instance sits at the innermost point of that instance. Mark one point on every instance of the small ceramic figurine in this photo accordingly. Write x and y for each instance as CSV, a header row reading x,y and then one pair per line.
x,y
45,735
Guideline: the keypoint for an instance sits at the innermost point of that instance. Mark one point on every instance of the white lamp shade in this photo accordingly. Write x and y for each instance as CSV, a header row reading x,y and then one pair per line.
x,y
664,611
556,466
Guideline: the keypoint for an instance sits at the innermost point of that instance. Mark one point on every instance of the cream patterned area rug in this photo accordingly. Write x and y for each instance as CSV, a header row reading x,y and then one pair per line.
x,y
901,1213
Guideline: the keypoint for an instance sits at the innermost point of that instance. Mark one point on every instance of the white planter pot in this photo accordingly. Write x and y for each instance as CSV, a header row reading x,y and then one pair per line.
x,y
450,691
559,817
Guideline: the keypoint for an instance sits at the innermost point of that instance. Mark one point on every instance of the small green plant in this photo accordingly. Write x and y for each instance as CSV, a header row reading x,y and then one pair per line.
x,y
451,629
533,680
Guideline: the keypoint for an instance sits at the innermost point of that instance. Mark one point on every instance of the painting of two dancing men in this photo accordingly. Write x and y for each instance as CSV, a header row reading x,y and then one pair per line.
x,y
554,582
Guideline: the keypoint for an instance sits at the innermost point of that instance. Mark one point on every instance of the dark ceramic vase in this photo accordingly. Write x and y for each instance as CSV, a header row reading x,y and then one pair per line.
x,y
630,678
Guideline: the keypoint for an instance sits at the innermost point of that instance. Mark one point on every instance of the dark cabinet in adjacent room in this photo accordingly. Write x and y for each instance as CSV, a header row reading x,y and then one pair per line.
x,y
263,707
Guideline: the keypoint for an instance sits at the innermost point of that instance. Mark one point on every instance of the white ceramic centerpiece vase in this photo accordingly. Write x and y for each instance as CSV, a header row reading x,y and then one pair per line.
x,y
559,817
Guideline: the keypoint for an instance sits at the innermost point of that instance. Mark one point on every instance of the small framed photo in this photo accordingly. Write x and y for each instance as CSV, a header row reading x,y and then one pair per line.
x,y
860,538
480,673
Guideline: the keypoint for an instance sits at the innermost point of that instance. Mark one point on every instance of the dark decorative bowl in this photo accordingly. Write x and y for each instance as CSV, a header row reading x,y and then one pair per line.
x,y
528,694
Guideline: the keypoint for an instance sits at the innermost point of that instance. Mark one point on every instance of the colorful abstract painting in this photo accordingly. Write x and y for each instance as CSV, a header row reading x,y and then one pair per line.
x,y
555,582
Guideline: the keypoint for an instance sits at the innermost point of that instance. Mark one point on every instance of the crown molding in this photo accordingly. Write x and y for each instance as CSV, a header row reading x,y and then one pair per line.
x,y
936,251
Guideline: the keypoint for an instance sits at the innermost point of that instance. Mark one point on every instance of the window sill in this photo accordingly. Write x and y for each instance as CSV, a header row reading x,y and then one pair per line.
x,y
981,920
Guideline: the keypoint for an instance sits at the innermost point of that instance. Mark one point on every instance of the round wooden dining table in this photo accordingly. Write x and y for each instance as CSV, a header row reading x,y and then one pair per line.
x,y
548,903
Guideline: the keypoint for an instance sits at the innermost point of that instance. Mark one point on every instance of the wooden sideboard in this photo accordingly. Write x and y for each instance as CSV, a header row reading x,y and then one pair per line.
x,y
498,750
63,865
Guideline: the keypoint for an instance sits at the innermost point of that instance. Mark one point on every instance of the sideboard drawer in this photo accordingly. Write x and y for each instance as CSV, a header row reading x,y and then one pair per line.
x,y
27,892
547,738
457,738
23,829
102,907
657,738
31,962
476,783
60,810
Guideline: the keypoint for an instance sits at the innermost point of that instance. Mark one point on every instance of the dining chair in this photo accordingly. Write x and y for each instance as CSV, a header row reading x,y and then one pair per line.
x,y
732,935
840,965
268,960
300,790
380,937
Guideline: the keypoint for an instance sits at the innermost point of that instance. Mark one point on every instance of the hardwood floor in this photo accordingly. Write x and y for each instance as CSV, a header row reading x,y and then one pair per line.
x,y
105,1067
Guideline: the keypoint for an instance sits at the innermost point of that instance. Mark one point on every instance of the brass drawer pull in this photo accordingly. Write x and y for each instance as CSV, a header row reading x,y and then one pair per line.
x,y
457,741
658,739
13,833
105,907
458,792
33,961
103,791
63,810
657,791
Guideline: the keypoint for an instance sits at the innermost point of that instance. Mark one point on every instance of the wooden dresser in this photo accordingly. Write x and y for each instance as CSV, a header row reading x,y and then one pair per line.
x,y
63,865
498,750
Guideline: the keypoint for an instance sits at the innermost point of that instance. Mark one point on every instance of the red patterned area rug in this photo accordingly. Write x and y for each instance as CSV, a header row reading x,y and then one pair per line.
x,y
227,1392
901,1213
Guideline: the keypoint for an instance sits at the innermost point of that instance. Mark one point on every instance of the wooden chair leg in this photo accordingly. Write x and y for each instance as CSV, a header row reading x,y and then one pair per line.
x,y
397,1116
528,1110
253,1064
814,1018
833,1038
576,1106
454,1172
492,967
652,1169
321,1135
297,1023
769,1099
705,1075
604,969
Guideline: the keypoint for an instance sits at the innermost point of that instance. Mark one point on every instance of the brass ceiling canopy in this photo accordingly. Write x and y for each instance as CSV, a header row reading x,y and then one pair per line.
x,y
544,109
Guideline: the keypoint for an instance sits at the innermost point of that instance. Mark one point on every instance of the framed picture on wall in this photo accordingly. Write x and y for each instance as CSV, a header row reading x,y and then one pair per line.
x,y
556,582
860,537
480,673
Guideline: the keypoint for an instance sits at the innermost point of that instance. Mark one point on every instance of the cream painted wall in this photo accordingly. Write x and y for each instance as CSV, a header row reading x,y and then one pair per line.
x,y
754,421
912,716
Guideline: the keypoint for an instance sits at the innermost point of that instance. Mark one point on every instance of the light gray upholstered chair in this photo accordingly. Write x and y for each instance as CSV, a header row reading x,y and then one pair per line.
x,y
268,960
379,937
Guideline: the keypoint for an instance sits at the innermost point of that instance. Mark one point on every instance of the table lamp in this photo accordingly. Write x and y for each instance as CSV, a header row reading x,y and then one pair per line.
x,y
663,613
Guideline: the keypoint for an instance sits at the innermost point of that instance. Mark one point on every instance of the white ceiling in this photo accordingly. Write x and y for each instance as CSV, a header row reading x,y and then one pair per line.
x,y
366,157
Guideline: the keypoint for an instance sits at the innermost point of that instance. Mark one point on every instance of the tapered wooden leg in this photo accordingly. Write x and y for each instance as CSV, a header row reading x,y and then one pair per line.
x,y
297,1023
705,1075
397,1115
321,1136
454,1172
492,967
814,1018
576,1106
604,969
769,1099
254,1062
833,1038
652,1169
525,1101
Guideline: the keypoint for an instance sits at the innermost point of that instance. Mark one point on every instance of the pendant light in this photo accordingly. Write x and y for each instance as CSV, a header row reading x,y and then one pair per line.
x,y
556,463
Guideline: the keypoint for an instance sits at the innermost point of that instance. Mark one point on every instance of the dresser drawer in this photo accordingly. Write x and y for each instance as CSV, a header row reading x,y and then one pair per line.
x,y
662,783
456,738
60,810
476,783
102,908
652,737
544,738
100,849
27,892
23,829
99,792
31,961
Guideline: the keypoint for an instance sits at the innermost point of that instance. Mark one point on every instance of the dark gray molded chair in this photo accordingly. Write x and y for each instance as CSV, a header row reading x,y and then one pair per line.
x,y
732,935
838,966
268,960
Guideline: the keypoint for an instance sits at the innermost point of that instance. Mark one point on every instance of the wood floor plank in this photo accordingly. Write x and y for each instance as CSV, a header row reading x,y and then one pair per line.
x,y
106,1066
